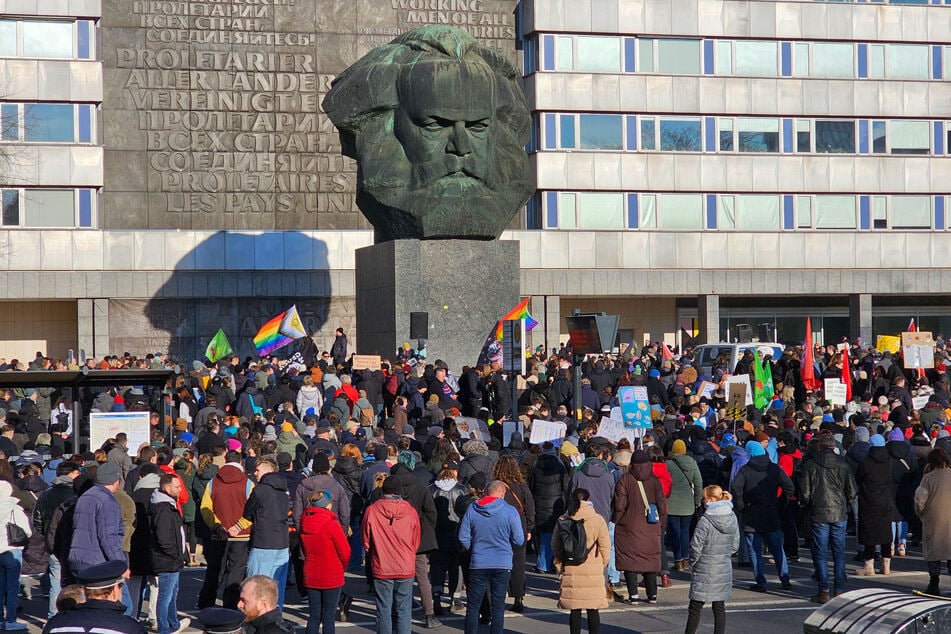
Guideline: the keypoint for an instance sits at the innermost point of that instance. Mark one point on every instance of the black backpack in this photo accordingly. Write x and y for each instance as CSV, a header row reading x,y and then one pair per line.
x,y
573,540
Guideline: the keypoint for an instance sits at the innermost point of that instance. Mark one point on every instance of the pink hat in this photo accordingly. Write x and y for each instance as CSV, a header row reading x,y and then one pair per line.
x,y
234,444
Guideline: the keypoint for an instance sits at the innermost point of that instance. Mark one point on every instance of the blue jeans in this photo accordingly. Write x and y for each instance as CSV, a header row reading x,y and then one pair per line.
x,y
899,533
546,557
390,593
822,535
322,608
356,544
10,563
679,527
774,540
270,562
56,575
614,575
166,610
493,581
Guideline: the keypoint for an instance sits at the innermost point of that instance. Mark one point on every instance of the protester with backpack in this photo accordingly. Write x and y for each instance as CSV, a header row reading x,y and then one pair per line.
x,y
582,546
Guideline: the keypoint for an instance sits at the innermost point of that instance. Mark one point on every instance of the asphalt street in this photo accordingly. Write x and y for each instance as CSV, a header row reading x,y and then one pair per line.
x,y
778,611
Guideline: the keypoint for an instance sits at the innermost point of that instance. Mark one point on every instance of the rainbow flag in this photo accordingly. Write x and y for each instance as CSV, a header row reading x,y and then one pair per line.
x,y
279,331
519,312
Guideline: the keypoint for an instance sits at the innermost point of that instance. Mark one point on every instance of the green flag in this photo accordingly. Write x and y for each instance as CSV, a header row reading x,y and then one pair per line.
x,y
763,382
218,347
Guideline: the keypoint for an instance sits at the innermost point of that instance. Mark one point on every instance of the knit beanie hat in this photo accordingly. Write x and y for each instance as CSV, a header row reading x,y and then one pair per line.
x,y
877,440
754,449
679,447
861,434
896,434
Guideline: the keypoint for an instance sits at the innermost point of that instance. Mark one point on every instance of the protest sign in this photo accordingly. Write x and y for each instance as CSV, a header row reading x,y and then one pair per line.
x,y
547,431
888,343
918,402
736,398
472,428
706,389
367,362
612,427
922,337
105,425
835,391
508,428
918,355
635,408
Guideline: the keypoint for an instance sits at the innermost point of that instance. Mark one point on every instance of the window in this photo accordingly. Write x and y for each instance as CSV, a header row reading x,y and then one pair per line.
x,y
593,54
680,135
803,212
878,137
835,137
726,135
600,210
757,135
832,59
47,207
803,135
48,39
47,123
648,141
680,212
601,132
749,212
879,215
678,56
910,212
756,58
908,61
835,212
910,137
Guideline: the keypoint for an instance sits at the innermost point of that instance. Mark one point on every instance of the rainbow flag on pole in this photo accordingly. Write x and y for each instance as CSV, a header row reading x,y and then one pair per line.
x,y
279,331
519,312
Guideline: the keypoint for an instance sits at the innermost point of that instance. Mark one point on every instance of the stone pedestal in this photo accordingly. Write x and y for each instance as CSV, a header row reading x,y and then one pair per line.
x,y
464,285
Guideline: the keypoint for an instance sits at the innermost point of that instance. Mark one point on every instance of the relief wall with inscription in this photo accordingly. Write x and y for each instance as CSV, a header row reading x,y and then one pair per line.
x,y
211,114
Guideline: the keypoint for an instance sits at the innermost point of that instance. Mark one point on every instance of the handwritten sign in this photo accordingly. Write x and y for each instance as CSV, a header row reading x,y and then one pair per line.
x,y
706,389
918,402
547,431
635,408
887,343
917,338
105,425
472,428
835,391
367,362
612,427
918,355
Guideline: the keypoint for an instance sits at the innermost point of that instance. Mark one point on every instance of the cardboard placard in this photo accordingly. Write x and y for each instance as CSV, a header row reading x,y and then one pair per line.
x,y
835,391
547,431
706,389
739,391
918,402
367,362
920,337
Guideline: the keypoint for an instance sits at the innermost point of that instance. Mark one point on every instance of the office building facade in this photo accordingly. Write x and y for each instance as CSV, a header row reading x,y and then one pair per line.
x,y
165,169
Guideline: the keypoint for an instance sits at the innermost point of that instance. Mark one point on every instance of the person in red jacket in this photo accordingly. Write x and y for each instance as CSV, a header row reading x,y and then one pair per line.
x,y
391,536
326,553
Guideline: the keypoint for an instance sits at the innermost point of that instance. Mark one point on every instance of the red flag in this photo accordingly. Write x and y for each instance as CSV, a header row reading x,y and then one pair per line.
x,y
847,374
667,353
808,369
911,326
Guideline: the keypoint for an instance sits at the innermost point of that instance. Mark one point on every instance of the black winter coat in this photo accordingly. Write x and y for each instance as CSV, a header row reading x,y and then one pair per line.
x,y
167,544
140,560
347,472
904,470
876,497
708,460
267,508
754,494
421,500
446,498
548,481
472,465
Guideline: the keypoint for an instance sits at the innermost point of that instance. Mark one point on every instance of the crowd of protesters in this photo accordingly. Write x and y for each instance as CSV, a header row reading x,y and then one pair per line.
x,y
281,475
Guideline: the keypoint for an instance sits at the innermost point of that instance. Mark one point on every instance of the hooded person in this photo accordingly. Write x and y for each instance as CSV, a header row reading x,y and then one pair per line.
x,y
594,476
476,460
904,472
684,499
876,505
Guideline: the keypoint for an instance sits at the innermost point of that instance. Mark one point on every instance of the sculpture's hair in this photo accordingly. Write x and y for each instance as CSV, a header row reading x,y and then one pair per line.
x,y
368,89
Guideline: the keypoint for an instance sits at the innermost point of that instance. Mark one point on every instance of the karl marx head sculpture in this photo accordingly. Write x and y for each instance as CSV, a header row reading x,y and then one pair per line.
x,y
438,124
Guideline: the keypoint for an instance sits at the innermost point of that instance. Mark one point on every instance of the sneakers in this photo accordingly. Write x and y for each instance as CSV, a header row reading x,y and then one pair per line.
x,y
631,600
14,626
665,581
432,622
901,550
182,625
821,597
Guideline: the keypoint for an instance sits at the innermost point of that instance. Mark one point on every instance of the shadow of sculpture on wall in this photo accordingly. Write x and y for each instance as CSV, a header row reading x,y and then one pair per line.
x,y
237,282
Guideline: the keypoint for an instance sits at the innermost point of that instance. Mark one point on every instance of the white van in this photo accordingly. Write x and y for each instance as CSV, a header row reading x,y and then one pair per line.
x,y
707,354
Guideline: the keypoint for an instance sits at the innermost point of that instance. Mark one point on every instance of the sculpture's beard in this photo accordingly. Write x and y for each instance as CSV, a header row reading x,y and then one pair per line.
x,y
448,197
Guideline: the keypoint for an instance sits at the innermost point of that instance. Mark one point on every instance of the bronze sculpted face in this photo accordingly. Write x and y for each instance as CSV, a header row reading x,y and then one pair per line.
x,y
437,124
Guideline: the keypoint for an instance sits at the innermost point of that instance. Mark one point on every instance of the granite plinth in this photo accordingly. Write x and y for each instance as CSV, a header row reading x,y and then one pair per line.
x,y
464,285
